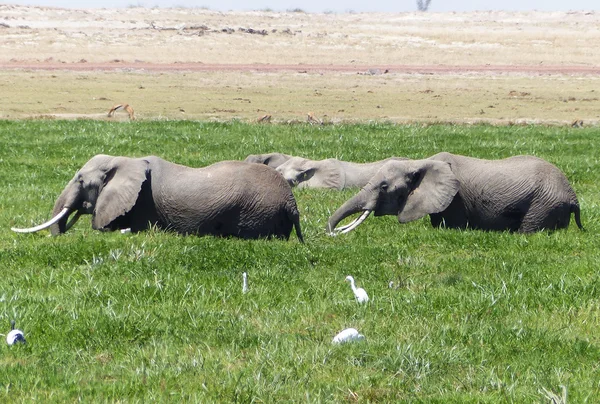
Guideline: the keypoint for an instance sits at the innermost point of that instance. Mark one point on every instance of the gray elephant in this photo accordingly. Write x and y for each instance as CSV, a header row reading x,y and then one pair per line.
x,y
230,198
521,194
329,173
271,159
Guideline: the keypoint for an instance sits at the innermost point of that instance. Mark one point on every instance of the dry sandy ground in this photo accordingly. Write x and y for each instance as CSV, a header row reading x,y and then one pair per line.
x,y
200,64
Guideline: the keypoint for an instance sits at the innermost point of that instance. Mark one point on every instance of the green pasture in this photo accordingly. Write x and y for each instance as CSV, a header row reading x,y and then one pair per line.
x,y
472,316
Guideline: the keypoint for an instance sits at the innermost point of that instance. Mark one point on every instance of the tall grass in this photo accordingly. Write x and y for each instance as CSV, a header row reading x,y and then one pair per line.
x,y
471,316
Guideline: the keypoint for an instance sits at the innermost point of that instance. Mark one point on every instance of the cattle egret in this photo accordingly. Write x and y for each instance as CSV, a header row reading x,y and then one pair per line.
x,y
348,335
359,293
244,283
14,335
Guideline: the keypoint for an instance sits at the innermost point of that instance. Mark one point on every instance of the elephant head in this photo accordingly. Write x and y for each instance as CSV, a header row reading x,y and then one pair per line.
x,y
302,172
270,159
106,187
297,170
409,189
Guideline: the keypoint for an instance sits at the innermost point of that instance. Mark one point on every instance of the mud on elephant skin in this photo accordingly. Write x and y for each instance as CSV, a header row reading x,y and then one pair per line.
x,y
329,173
229,198
521,194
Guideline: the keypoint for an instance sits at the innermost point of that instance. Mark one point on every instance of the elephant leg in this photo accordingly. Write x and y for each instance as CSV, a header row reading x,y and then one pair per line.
x,y
543,217
455,216
278,227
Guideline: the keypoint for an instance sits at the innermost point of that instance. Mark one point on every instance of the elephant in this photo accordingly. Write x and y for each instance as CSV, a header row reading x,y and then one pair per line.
x,y
329,173
518,194
229,198
271,159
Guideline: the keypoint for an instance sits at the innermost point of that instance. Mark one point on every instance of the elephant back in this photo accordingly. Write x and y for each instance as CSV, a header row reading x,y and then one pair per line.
x,y
259,197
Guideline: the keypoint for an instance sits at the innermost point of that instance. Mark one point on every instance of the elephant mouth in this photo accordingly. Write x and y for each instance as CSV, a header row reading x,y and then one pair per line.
x,y
88,207
350,226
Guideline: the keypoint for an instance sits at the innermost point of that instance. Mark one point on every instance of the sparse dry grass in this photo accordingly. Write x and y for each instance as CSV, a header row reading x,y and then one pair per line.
x,y
68,38
196,35
332,96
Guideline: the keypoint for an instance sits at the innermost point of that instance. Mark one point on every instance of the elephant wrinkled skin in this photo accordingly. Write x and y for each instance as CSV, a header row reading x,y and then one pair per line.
x,y
521,194
229,198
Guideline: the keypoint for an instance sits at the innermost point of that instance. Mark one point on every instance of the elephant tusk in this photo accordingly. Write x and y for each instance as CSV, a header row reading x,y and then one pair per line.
x,y
348,228
73,220
43,225
353,225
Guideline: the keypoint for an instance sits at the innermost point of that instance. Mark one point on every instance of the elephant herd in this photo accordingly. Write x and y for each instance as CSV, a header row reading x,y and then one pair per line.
x,y
254,199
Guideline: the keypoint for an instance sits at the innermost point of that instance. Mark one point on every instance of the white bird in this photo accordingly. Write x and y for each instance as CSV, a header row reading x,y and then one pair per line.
x,y
244,283
359,293
348,335
14,335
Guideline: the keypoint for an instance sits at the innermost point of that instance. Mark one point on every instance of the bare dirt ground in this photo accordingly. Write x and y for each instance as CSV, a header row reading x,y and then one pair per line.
x,y
200,64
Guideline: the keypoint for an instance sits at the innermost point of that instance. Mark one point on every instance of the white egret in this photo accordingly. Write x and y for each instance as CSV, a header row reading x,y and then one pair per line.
x,y
359,293
14,335
348,335
244,283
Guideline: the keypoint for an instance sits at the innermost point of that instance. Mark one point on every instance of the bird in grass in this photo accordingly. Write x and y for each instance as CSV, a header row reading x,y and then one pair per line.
x,y
244,283
347,335
14,335
359,293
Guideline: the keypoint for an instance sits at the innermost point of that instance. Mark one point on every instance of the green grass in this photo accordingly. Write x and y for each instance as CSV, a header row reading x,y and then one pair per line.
x,y
473,317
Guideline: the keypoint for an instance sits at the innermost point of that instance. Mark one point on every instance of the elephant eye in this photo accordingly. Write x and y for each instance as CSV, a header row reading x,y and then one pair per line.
x,y
384,186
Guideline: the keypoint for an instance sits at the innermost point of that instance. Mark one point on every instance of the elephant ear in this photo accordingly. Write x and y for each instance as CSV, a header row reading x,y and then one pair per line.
x,y
434,187
122,186
305,174
266,161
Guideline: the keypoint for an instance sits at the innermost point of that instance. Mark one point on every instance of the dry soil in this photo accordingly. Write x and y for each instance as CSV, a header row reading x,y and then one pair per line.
x,y
194,63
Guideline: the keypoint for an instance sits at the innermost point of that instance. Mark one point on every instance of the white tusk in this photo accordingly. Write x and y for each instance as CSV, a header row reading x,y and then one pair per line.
x,y
366,212
356,223
43,225
349,227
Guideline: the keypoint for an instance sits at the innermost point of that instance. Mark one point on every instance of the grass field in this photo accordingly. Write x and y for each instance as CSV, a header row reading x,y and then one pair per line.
x,y
473,317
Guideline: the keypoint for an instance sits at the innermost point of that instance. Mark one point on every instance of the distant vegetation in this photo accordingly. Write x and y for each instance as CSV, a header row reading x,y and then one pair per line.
x,y
423,5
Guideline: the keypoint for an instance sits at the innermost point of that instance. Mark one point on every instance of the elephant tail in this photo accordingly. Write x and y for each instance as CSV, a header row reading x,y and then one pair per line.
x,y
294,216
296,221
575,210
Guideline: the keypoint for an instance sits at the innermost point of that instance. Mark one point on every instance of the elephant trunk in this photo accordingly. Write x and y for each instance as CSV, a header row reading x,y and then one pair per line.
x,y
66,201
354,205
